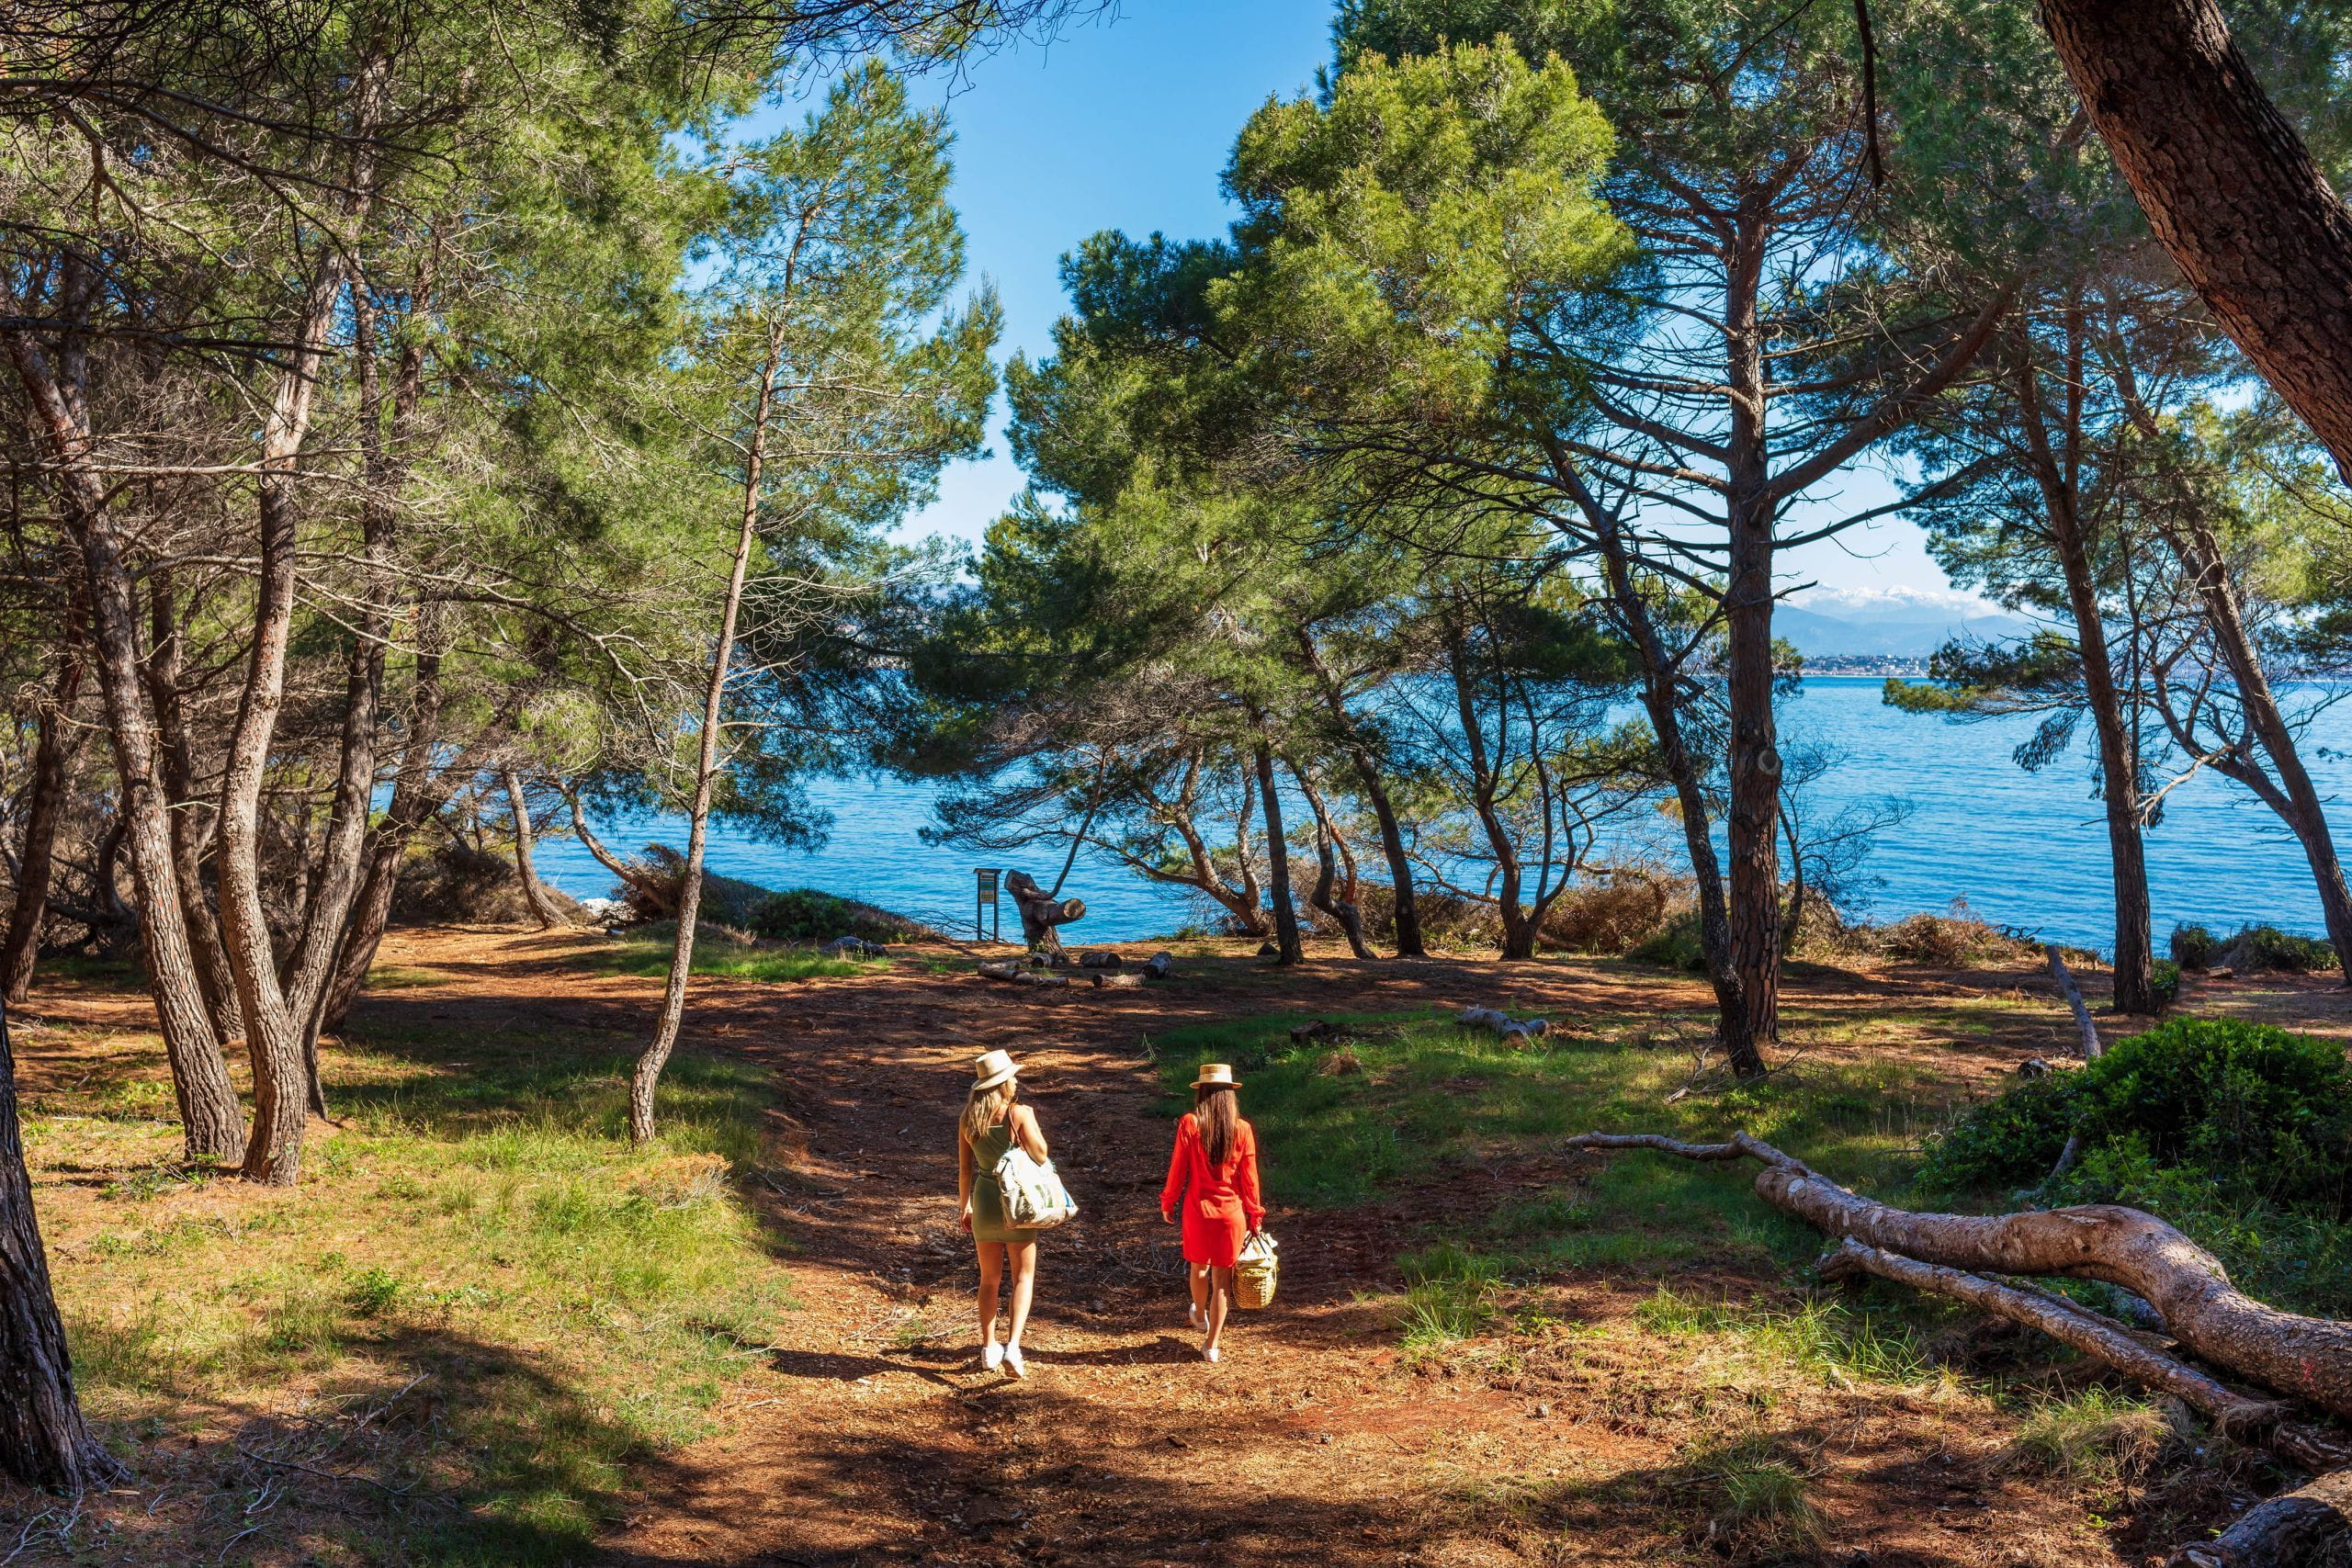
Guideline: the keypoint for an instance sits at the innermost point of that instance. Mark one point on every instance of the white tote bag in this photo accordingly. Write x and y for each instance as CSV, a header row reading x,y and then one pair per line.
x,y
1034,1197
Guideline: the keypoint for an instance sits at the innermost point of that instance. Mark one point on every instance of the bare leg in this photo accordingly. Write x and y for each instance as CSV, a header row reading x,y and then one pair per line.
x,y
1220,1302
991,1274
1200,1282
1024,1285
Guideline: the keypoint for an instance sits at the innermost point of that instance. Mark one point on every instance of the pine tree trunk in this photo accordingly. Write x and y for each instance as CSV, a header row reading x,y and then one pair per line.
x,y
43,1440
542,907
1287,947
176,756
208,1103
1752,829
45,807
682,951
1402,894
1325,898
2229,189
2118,754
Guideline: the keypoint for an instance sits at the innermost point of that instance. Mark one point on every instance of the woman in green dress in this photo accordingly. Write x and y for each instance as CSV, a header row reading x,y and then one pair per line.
x,y
992,1119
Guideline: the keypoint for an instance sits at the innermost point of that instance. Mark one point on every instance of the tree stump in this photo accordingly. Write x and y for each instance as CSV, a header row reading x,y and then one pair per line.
x,y
1040,913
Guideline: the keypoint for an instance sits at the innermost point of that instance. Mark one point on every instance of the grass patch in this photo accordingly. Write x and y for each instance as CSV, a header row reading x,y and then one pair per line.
x,y
774,964
1827,1339
2097,1438
1419,1096
479,1233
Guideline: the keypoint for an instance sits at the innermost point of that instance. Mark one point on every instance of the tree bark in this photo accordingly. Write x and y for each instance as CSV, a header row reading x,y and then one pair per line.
x,y
177,757
1287,949
2118,754
1343,911
2085,1027
1040,912
2308,1358
1406,912
2228,187
628,876
2302,810
542,907
682,950
44,1441
45,807
208,1104
1519,933
2288,1531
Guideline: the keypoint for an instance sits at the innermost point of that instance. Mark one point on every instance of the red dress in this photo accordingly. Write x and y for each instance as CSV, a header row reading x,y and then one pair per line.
x,y
1223,1206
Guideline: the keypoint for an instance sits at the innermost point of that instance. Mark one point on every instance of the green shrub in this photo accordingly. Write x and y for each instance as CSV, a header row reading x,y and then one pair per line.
x,y
2266,947
807,914
2014,1137
2164,979
1675,946
2193,947
2256,1110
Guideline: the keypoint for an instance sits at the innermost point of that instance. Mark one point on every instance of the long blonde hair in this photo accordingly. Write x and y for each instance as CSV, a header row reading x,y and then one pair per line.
x,y
985,1108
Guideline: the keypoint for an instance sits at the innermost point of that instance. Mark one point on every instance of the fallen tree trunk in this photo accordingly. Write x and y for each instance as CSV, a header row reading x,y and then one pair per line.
x,y
2308,1357
2259,1421
2288,1531
2087,1029
1506,1027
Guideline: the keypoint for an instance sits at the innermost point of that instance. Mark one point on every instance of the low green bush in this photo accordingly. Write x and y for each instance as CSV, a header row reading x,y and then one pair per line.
x,y
808,914
1674,946
2193,947
2164,979
2266,947
2257,1111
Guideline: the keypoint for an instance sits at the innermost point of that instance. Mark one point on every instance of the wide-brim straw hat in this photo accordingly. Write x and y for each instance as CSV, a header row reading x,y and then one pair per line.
x,y
1216,1075
991,1069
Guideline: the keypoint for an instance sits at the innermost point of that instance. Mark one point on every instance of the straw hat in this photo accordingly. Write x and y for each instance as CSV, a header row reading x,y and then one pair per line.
x,y
1216,1075
992,1069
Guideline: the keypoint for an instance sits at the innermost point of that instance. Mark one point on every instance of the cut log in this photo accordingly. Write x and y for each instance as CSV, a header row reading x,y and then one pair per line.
x,y
1040,912
1100,961
2085,1031
1159,965
2290,1531
2308,1357
1018,975
1117,979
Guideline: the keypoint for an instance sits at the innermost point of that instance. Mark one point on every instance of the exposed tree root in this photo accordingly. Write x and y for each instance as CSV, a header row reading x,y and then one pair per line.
x,y
2308,1358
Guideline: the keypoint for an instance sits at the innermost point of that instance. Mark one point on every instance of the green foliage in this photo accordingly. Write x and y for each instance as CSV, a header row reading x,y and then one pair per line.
x,y
2164,980
2237,1132
2193,947
2097,1437
1677,946
805,914
1450,1294
2266,947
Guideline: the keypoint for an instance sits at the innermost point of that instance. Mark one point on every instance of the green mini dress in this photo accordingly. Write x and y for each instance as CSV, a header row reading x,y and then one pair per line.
x,y
988,1221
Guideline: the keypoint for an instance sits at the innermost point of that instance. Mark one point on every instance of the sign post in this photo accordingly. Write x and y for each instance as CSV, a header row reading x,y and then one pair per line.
x,y
986,912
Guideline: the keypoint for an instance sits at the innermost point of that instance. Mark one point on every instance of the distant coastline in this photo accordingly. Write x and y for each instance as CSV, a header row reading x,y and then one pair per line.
x,y
1865,664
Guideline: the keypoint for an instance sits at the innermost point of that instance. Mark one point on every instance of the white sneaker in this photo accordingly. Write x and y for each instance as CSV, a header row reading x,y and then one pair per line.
x,y
1209,1353
992,1356
1013,1361
1193,1318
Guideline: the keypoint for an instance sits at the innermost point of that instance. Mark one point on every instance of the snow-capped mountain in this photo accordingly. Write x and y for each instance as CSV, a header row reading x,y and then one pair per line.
x,y
1888,623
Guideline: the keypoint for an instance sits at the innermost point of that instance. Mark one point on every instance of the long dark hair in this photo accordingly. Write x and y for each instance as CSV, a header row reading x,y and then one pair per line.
x,y
1215,1113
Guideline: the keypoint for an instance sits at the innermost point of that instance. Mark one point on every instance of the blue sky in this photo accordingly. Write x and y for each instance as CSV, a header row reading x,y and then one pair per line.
x,y
1125,124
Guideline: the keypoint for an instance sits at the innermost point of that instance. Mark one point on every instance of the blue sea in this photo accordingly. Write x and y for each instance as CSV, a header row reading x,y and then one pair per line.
x,y
2025,850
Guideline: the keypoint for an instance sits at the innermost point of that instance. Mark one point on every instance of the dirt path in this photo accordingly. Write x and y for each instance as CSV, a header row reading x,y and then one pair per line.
x,y
869,1435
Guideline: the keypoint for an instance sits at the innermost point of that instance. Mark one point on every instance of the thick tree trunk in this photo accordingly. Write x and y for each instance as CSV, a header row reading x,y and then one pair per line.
x,y
1041,912
2228,187
542,907
43,1440
682,950
44,807
208,1104
1287,947
2308,1358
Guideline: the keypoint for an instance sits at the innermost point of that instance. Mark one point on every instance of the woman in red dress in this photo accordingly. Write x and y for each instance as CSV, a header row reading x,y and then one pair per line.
x,y
1216,1157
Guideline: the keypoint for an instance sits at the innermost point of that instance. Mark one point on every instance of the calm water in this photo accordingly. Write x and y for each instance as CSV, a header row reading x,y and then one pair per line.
x,y
2023,849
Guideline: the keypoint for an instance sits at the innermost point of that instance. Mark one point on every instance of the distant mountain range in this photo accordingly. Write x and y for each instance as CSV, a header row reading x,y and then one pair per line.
x,y
1890,622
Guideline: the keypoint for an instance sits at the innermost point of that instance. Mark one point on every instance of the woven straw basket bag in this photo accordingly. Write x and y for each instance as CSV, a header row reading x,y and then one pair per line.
x,y
1254,1270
